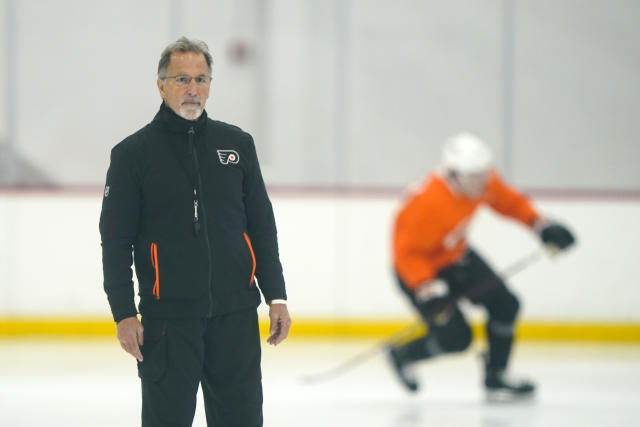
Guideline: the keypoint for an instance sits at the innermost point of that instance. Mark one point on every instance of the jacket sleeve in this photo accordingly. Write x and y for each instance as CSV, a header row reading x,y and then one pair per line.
x,y
118,230
417,238
509,202
414,269
261,226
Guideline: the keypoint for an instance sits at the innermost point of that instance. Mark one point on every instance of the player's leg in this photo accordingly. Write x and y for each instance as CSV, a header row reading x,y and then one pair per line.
x,y
447,332
170,372
502,307
232,381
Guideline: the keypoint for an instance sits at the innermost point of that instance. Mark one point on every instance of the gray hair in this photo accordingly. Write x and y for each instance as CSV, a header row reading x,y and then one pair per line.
x,y
184,45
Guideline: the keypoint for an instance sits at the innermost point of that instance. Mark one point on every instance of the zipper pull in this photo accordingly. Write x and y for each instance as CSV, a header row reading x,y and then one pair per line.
x,y
196,218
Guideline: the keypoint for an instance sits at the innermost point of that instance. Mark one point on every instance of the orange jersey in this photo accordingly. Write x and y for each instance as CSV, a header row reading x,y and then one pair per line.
x,y
430,229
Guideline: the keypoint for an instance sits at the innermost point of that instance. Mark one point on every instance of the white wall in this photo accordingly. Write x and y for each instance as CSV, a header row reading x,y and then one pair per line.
x,y
335,254
342,92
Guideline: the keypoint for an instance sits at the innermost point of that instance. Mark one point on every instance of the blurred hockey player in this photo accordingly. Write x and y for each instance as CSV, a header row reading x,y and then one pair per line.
x,y
435,266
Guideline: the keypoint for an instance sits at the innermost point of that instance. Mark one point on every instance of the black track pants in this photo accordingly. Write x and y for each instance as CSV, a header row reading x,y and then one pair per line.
x,y
221,353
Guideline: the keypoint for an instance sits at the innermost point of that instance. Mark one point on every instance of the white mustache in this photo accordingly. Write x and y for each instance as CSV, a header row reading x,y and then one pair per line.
x,y
190,100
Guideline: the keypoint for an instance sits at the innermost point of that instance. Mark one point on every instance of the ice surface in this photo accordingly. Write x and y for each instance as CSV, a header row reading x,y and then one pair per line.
x,y
94,383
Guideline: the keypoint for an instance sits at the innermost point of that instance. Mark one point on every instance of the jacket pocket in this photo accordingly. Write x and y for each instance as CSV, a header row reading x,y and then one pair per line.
x,y
253,258
154,263
172,269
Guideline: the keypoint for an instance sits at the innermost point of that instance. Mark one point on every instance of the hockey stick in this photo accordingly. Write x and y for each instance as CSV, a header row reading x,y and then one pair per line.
x,y
407,331
357,359
490,283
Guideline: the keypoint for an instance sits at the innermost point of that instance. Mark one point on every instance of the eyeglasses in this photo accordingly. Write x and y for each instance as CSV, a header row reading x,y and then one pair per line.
x,y
182,80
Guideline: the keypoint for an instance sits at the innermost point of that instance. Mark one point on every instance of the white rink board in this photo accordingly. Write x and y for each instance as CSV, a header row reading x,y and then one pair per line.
x,y
335,253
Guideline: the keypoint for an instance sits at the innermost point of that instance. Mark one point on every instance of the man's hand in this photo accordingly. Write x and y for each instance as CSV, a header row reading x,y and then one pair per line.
x,y
130,335
280,323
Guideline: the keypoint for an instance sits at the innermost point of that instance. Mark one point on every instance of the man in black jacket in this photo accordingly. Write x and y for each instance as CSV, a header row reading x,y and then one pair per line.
x,y
185,201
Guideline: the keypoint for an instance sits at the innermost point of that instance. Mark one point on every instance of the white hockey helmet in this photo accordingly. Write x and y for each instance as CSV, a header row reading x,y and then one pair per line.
x,y
465,153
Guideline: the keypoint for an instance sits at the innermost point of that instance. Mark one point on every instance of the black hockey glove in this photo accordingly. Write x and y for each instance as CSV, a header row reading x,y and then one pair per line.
x,y
557,236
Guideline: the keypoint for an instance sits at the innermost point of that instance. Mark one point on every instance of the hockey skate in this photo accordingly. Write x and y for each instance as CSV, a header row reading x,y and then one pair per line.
x,y
406,377
501,388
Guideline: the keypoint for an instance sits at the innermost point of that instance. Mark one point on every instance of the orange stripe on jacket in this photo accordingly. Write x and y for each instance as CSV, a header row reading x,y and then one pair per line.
x,y
154,263
253,258
430,229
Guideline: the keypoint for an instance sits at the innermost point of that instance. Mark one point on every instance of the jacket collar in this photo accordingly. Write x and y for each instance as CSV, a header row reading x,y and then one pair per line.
x,y
175,123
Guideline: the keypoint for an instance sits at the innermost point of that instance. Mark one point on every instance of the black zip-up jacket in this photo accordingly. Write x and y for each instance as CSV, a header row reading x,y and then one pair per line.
x,y
185,201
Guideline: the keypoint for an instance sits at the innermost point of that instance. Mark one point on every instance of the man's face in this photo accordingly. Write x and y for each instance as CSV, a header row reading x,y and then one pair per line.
x,y
472,185
188,100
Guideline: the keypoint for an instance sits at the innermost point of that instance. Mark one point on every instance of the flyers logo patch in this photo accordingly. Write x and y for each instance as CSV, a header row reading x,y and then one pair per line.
x,y
228,156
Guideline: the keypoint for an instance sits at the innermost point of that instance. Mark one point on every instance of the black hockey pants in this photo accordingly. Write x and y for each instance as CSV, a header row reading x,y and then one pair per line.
x,y
448,330
221,353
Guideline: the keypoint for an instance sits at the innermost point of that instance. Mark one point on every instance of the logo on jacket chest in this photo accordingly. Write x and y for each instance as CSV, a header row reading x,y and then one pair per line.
x,y
228,157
